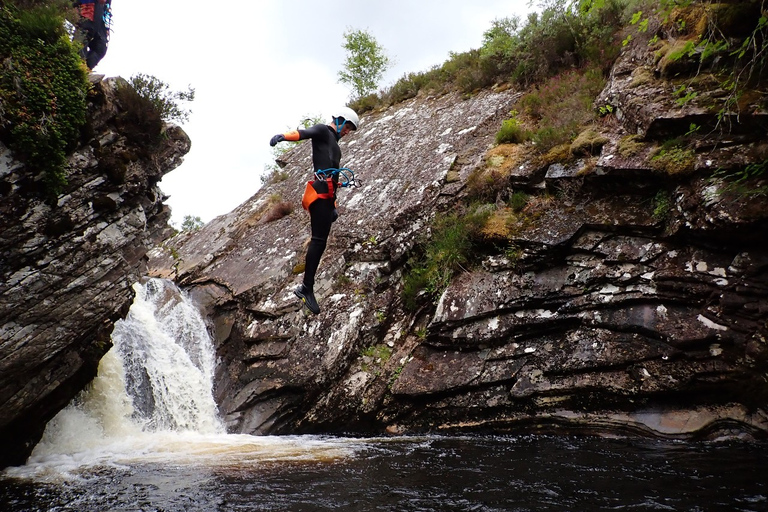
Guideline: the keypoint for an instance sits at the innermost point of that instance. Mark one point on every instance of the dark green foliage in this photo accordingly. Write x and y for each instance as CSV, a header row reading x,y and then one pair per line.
x,y
562,37
140,119
448,250
165,102
365,104
518,200
147,103
43,85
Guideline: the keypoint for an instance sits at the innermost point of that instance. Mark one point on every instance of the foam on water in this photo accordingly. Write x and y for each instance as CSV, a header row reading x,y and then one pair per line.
x,y
152,402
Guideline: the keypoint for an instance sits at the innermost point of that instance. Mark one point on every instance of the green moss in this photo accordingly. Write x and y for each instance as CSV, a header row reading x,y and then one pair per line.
x,y
452,177
631,145
42,91
641,76
673,160
379,353
662,205
588,142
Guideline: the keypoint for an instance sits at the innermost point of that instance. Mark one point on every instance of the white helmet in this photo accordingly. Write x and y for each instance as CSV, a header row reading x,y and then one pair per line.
x,y
348,115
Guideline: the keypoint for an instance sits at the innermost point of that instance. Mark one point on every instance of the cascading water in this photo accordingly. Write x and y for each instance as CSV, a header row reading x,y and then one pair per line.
x,y
152,401
169,361
145,437
157,378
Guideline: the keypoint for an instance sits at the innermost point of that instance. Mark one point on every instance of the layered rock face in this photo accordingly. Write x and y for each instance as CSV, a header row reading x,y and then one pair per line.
x,y
630,295
66,268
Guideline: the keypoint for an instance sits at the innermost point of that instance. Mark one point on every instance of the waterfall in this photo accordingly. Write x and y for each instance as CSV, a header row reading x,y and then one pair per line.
x,y
152,403
168,358
158,377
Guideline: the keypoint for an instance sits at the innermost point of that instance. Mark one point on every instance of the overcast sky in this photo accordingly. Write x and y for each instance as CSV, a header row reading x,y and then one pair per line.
x,y
260,67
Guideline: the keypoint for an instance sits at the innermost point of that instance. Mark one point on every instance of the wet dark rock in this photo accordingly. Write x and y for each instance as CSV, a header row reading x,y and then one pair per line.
x,y
636,304
66,269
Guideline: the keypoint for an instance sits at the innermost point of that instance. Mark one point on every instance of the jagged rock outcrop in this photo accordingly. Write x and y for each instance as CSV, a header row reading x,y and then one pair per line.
x,y
632,297
66,269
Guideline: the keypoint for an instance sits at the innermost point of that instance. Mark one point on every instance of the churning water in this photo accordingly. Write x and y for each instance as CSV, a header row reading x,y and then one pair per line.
x,y
146,437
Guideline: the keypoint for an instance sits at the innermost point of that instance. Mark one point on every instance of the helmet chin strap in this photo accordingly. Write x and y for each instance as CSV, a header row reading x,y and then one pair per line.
x,y
339,128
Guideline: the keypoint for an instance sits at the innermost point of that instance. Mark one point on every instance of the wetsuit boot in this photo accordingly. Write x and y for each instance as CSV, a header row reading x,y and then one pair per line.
x,y
308,298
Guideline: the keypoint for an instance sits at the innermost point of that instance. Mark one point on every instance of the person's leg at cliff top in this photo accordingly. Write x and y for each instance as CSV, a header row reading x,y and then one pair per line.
x,y
94,24
326,154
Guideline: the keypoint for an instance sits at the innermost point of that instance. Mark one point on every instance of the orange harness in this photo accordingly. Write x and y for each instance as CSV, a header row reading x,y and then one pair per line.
x,y
318,189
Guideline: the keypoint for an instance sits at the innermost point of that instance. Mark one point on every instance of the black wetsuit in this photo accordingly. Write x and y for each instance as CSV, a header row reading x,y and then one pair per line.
x,y
326,154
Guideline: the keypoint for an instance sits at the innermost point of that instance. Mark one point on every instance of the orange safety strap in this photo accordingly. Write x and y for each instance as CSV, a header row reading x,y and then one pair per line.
x,y
311,194
87,11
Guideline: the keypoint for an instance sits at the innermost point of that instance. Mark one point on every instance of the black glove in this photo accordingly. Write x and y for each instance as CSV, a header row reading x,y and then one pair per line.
x,y
335,215
277,138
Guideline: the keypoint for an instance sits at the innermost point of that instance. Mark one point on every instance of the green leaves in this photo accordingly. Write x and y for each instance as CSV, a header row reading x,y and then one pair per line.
x,y
165,101
365,63
42,91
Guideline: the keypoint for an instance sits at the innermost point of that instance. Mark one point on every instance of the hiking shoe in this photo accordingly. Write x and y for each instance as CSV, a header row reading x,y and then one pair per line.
x,y
308,298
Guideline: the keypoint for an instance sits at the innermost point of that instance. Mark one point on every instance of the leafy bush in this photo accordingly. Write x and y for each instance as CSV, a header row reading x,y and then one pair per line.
x,y
448,250
512,132
140,120
165,101
42,91
365,103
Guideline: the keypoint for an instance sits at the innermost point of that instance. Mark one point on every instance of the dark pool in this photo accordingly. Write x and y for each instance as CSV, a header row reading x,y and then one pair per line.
x,y
536,473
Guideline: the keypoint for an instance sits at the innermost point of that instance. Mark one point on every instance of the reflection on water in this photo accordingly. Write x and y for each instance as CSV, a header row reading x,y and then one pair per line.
x,y
243,473
146,437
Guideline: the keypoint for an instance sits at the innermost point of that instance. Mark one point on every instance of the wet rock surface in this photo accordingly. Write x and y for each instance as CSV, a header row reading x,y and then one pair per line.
x,y
68,265
635,301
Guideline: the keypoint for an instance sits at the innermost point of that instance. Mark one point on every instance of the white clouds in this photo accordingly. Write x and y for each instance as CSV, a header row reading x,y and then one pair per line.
x,y
259,67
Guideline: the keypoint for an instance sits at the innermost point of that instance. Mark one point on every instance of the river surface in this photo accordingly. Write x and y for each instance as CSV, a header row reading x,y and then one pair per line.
x,y
146,436
531,473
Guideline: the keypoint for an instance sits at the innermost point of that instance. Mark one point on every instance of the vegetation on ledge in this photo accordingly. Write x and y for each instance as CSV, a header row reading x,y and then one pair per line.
x,y
43,86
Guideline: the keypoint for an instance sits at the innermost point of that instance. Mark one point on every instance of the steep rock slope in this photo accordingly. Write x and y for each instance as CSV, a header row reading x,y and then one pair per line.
x,y
66,269
629,295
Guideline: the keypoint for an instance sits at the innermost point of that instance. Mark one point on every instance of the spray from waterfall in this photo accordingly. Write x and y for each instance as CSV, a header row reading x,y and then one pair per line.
x,y
152,403
156,378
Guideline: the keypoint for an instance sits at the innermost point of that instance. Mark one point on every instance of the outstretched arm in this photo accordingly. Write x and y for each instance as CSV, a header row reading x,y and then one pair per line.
x,y
319,130
292,136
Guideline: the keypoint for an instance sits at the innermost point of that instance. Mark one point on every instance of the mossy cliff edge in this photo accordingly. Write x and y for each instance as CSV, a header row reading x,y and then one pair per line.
x,y
80,159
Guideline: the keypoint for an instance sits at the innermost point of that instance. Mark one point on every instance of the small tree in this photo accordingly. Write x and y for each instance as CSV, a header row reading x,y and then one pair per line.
x,y
191,223
365,64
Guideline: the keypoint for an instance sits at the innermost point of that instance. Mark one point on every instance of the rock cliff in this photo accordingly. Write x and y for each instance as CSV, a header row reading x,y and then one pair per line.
x,y
67,266
628,295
